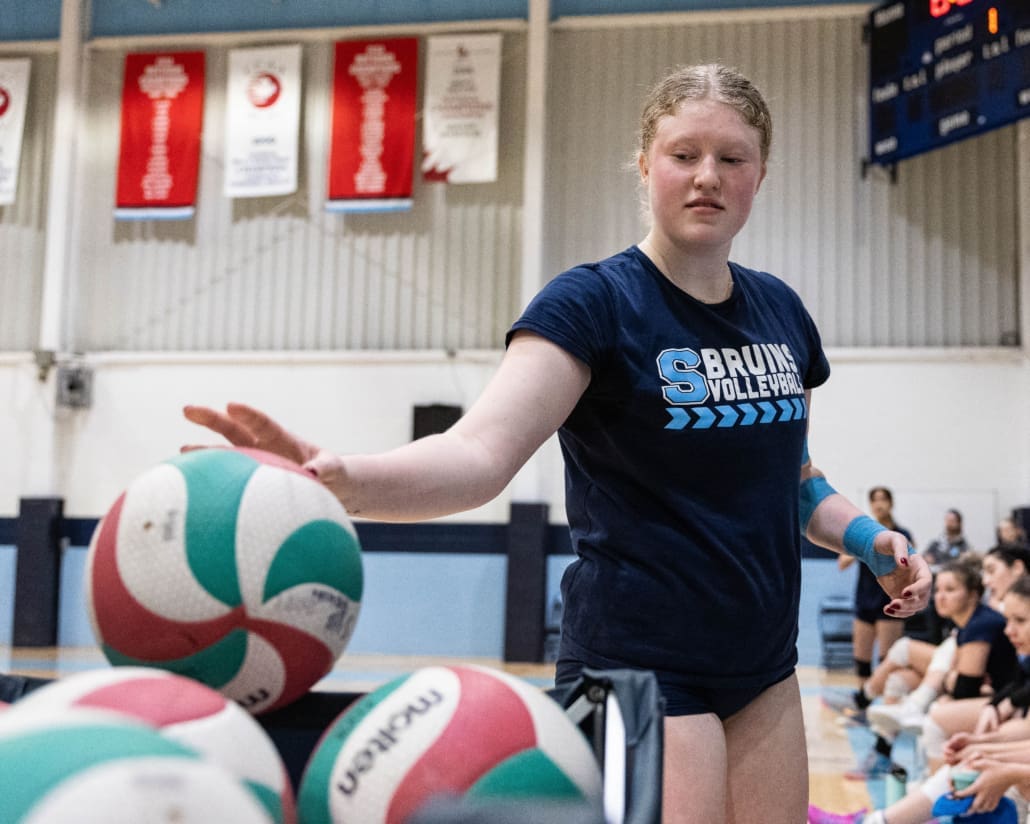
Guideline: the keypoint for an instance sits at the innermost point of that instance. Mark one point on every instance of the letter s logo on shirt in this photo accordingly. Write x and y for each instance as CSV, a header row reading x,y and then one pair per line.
x,y
678,368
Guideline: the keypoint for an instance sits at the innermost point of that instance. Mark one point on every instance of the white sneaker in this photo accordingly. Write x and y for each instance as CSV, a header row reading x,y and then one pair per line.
x,y
912,723
894,718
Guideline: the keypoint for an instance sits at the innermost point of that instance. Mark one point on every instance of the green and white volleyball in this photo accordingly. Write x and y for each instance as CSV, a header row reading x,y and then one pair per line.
x,y
92,769
230,566
465,731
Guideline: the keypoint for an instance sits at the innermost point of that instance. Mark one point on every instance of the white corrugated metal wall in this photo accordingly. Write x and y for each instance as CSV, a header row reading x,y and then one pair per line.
x,y
928,261
281,273
23,223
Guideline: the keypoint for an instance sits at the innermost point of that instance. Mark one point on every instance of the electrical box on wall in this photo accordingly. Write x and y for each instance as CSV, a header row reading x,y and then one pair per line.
x,y
74,386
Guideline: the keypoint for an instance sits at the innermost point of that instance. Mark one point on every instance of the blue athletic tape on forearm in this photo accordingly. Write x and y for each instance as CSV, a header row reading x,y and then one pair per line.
x,y
813,492
858,541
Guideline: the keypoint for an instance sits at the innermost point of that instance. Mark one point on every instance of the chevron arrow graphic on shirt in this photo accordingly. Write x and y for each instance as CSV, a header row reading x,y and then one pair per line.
x,y
729,416
744,414
705,417
680,418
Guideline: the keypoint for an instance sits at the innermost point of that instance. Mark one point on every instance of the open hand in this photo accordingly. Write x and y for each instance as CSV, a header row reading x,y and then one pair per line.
x,y
246,426
954,749
910,582
242,425
990,785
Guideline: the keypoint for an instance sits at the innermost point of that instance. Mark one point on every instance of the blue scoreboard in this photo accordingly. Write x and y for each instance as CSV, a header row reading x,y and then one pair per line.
x,y
944,70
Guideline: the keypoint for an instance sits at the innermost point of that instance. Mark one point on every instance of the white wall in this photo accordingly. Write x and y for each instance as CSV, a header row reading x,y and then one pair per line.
x,y
939,427
942,429
351,402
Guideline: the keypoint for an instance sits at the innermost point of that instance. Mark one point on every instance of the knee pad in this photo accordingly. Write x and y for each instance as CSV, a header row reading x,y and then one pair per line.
x,y
943,655
895,686
937,784
898,653
933,739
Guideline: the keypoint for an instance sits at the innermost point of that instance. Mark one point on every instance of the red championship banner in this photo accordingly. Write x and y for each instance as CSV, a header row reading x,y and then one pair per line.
x,y
372,159
162,115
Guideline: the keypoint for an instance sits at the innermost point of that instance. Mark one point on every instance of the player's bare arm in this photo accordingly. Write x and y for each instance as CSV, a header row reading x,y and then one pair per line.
x,y
533,391
832,521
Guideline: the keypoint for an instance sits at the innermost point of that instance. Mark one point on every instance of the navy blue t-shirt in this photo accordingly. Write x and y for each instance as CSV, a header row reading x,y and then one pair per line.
x,y
682,462
988,625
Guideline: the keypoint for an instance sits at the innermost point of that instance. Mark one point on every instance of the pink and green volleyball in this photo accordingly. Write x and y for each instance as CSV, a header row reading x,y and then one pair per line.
x,y
182,710
93,768
230,566
458,731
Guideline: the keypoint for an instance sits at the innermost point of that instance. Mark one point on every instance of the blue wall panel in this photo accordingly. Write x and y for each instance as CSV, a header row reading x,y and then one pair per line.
x,y
7,561
423,604
432,604
570,8
112,18
41,19
819,579
73,627
35,20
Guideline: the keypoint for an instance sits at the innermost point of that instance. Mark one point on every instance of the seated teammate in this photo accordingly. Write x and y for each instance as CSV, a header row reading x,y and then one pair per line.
x,y
1002,565
1000,753
981,651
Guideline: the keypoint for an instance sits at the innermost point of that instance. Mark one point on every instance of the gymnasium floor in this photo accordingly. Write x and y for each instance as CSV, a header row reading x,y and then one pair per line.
x,y
831,746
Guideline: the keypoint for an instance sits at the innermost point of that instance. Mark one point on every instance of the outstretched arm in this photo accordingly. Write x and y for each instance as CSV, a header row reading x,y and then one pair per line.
x,y
832,521
532,393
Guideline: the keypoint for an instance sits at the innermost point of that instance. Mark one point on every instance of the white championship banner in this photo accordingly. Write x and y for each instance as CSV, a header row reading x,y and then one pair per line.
x,y
262,121
462,92
14,93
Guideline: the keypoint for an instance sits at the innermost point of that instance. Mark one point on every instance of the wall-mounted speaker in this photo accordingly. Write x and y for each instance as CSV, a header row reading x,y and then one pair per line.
x,y
433,418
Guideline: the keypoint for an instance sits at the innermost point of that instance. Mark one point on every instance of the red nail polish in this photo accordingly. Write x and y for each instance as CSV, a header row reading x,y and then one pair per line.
x,y
904,561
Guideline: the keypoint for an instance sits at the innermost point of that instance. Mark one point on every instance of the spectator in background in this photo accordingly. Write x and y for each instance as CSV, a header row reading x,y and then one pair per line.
x,y
950,544
871,625
1009,533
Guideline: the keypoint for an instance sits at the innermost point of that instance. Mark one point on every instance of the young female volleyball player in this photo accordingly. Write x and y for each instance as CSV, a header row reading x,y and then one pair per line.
x,y
678,383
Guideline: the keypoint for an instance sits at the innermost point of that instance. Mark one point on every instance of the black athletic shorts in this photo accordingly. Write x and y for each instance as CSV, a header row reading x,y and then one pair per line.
x,y
682,697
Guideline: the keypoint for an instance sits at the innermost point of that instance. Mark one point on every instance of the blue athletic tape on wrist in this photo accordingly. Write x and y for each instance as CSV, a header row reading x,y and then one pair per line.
x,y
813,492
858,541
